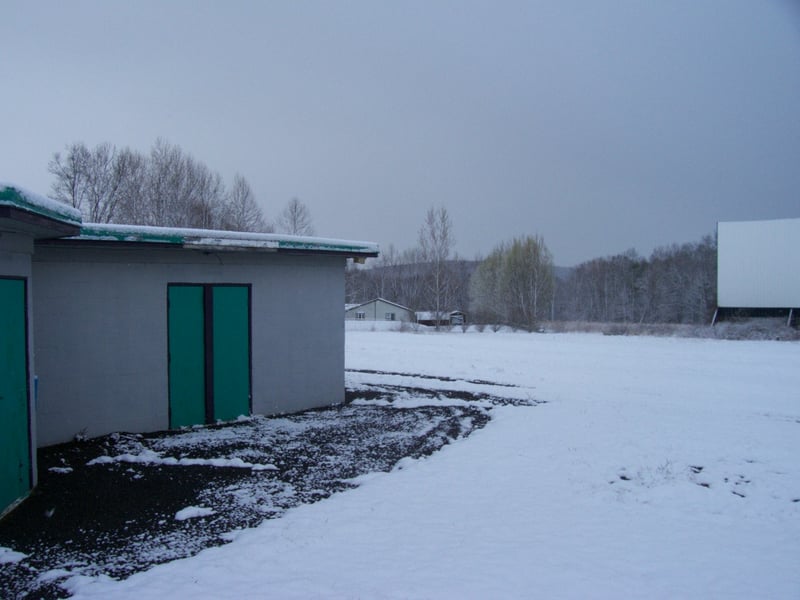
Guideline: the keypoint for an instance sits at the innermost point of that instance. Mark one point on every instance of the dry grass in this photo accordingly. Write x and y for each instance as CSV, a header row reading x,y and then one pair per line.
x,y
749,329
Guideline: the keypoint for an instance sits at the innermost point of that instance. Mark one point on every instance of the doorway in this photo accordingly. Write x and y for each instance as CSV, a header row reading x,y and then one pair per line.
x,y
15,440
209,353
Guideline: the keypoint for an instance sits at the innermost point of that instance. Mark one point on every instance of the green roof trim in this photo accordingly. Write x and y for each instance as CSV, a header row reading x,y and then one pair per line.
x,y
342,246
12,195
128,233
223,240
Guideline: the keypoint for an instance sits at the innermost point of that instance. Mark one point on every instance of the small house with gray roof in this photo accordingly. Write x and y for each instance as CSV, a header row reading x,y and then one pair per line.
x,y
378,309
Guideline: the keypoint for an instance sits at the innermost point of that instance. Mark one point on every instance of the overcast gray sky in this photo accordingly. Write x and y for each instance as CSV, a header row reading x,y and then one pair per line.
x,y
600,126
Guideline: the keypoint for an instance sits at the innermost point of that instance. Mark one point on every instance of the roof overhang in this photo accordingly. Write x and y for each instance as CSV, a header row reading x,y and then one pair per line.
x,y
218,241
24,212
43,218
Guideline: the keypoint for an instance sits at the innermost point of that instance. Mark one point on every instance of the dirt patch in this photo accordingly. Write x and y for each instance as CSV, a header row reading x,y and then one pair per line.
x,y
109,505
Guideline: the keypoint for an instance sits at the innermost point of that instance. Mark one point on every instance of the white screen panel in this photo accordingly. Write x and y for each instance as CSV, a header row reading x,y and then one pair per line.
x,y
757,264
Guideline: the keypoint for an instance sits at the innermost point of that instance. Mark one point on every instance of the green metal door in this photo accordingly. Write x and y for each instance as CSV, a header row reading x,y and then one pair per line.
x,y
231,351
187,390
15,446
209,353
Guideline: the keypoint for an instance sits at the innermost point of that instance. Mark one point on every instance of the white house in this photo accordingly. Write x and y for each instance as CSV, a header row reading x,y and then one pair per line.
x,y
378,310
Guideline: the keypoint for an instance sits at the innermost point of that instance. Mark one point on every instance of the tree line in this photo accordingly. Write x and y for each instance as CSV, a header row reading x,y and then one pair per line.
x,y
514,285
677,284
518,285
166,187
427,277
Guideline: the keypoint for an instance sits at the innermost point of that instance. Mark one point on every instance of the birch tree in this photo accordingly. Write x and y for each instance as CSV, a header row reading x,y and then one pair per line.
x,y
241,211
168,187
295,219
96,181
514,285
436,245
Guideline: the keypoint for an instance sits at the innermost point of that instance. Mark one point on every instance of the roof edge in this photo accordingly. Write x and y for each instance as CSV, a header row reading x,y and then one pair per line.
x,y
378,299
20,198
224,240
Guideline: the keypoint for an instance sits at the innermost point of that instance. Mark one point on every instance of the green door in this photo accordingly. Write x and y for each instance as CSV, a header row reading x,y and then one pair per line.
x,y
187,389
231,351
15,447
209,353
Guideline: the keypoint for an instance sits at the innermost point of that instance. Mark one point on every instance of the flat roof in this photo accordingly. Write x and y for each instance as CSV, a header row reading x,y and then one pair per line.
x,y
223,240
52,218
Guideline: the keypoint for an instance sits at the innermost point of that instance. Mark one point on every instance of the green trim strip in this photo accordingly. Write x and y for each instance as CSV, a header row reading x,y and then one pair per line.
x,y
322,246
116,234
14,197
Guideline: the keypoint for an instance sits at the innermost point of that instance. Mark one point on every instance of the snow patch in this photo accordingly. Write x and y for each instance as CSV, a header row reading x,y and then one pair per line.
x,y
7,555
150,457
63,470
193,512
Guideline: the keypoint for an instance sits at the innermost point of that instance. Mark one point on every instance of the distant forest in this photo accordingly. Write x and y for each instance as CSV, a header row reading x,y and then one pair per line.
x,y
676,284
517,284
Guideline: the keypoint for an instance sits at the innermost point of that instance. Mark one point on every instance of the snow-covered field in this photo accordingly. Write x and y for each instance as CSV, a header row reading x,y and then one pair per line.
x,y
656,468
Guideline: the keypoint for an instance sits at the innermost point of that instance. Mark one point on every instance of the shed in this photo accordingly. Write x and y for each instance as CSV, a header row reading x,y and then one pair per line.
x,y
449,317
379,309
146,328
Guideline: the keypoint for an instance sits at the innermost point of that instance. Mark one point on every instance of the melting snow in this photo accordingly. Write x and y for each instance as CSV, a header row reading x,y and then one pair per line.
x,y
7,555
193,512
151,457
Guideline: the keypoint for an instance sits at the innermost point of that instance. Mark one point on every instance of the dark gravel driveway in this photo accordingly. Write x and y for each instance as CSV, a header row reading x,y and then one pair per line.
x,y
108,505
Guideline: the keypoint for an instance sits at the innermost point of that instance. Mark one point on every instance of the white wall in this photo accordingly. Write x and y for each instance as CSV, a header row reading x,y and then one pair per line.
x,y
757,264
376,311
101,332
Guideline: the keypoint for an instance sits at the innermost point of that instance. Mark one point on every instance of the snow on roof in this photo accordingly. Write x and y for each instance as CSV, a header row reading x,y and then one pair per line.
x,y
233,240
352,306
430,315
20,198
13,195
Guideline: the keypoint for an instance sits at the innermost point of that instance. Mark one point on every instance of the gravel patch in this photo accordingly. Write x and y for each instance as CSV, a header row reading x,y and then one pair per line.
x,y
122,503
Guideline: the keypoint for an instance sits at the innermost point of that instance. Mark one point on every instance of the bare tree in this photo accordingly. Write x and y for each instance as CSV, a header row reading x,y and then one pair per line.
x,y
404,278
411,279
677,284
486,296
241,211
436,245
132,204
95,181
206,204
168,187
103,182
295,219
182,191
69,170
